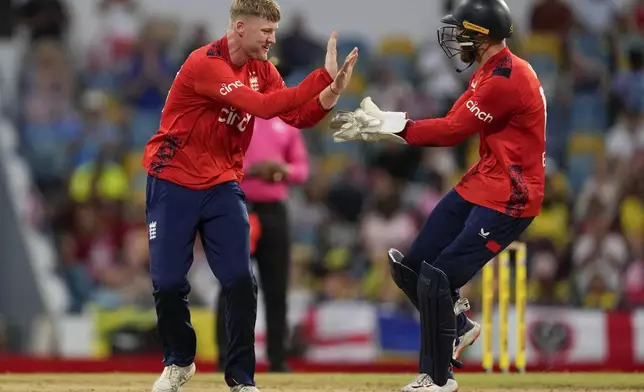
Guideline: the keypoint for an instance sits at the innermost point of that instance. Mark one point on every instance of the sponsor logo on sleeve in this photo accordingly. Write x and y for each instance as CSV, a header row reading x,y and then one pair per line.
x,y
473,107
226,88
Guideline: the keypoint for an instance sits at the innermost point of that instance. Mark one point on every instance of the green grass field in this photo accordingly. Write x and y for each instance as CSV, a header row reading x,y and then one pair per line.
x,y
117,382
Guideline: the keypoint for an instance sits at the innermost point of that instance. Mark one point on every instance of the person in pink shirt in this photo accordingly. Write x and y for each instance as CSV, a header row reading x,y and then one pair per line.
x,y
276,159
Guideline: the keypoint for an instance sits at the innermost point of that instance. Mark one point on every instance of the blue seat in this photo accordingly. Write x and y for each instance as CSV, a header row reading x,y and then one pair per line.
x,y
348,102
346,44
584,147
44,149
106,81
144,124
588,111
402,66
304,234
543,64
579,167
558,132
296,77
592,46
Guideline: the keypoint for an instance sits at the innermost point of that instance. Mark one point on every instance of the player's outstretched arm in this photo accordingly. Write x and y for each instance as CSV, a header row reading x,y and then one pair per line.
x,y
490,105
215,79
486,108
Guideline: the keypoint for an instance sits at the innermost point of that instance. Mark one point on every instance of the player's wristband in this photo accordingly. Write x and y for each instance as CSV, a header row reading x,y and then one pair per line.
x,y
331,88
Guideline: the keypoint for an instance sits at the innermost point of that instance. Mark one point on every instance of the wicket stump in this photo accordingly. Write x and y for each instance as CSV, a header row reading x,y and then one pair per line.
x,y
502,263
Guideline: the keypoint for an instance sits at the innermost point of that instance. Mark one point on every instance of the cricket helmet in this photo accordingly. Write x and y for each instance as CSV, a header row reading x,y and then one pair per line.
x,y
472,22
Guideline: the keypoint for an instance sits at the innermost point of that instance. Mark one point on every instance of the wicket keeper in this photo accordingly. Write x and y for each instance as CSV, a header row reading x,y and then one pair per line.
x,y
194,164
494,202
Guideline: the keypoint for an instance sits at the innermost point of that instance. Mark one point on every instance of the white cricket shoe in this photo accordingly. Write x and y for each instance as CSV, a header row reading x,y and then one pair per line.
x,y
173,377
244,388
424,383
468,334
467,337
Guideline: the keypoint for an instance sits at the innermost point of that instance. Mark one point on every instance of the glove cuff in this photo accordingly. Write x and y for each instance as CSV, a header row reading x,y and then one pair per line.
x,y
393,122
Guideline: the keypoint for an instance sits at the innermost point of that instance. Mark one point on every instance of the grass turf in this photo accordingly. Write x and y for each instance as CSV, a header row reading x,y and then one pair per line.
x,y
119,382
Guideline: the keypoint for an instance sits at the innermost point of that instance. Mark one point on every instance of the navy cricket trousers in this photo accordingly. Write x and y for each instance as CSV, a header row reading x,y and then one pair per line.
x,y
175,215
460,237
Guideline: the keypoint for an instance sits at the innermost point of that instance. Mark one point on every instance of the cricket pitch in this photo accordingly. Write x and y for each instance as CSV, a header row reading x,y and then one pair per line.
x,y
122,382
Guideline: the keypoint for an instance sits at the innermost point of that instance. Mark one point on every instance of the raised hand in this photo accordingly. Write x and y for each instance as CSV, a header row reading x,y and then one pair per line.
x,y
331,59
343,75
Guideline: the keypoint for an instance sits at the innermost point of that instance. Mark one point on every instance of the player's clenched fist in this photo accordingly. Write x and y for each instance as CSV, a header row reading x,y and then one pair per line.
x,y
343,75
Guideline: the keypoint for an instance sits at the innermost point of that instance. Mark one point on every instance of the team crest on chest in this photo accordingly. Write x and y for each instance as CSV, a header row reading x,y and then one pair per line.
x,y
254,82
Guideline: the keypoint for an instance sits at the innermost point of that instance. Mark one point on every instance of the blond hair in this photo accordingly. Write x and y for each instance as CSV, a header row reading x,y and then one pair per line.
x,y
266,9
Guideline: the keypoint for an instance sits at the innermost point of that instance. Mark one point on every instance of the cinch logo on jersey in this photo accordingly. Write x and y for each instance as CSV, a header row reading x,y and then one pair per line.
x,y
232,117
481,115
226,88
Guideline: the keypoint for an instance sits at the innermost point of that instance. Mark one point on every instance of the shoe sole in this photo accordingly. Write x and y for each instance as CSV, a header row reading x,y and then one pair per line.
x,y
462,346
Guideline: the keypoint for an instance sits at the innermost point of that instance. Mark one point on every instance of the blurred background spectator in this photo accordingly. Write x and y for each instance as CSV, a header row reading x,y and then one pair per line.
x,y
82,126
44,19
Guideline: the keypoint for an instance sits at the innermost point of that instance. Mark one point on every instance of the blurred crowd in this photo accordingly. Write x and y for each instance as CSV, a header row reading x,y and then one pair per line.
x,y
84,123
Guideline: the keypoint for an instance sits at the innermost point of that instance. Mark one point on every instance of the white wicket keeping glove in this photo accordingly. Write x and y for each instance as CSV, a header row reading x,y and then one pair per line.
x,y
384,124
346,126
369,123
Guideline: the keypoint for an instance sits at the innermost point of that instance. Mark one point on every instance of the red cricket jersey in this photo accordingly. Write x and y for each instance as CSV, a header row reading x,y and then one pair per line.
x,y
505,104
207,121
